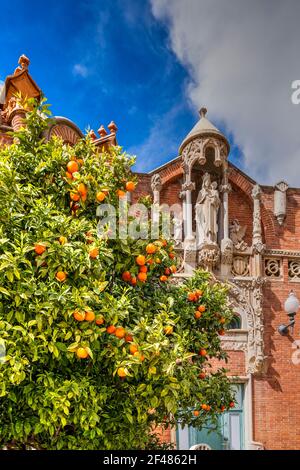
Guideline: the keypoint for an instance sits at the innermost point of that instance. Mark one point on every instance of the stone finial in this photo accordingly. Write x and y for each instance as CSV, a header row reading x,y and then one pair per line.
x,y
24,61
101,131
92,134
280,201
202,112
112,127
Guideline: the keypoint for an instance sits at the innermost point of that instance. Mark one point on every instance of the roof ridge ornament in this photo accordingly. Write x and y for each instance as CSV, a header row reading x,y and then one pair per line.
x,y
202,112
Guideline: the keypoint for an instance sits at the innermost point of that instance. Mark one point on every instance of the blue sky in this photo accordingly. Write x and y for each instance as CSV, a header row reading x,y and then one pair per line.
x,y
98,61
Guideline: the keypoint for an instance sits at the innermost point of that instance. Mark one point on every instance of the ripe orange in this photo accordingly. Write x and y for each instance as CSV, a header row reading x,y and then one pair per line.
x,y
171,255
157,260
111,329
79,316
133,281
74,196
80,161
130,186
142,277
100,196
202,375
89,316
94,253
61,276
133,348
139,355
128,338
126,276
82,353
82,189
202,352
140,260
163,278
202,308
72,166
205,407
99,320
198,293
173,268
121,372
222,320
223,408
151,248
143,269
196,413
69,175
164,242
197,315
167,271
191,297
120,332
62,240
150,261
232,404
221,332
39,248
121,193
168,330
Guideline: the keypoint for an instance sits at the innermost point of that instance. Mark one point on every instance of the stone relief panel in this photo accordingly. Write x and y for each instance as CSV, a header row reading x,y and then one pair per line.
x,y
294,269
273,268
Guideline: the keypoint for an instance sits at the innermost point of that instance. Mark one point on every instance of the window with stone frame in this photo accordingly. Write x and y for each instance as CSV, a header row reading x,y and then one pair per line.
x,y
294,269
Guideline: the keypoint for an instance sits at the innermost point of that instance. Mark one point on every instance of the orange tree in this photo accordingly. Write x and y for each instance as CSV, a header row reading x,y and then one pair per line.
x,y
100,346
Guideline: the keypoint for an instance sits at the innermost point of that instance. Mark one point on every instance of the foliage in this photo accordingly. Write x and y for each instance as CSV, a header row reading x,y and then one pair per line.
x,y
112,399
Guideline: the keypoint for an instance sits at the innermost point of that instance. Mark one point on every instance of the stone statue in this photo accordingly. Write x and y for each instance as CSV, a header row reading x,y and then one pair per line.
x,y
207,206
177,228
237,233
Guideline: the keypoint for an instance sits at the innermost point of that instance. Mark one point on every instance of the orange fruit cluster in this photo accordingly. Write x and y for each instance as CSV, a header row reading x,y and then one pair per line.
x,y
143,261
87,316
129,186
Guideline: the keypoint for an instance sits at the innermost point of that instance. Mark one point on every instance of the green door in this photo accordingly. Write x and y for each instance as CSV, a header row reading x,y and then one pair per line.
x,y
229,433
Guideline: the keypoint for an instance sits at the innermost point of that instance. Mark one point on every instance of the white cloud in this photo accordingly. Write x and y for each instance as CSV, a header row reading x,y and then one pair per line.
x,y
80,70
243,57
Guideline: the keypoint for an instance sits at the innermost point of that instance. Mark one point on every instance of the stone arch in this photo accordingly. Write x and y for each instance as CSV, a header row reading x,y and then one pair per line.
x,y
66,129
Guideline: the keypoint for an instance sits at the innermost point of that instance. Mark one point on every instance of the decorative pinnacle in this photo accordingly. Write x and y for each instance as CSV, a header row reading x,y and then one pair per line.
x,y
24,61
101,131
202,112
112,127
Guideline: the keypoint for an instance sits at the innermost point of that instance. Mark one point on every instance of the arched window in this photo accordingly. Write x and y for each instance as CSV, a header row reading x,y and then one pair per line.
x,y
236,323
210,153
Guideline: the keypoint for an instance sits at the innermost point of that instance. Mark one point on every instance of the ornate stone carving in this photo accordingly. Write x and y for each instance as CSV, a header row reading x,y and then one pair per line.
x,y
247,295
209,255
156,183
257,243
237,233
294,270
231,345
272,268
240,266
188,186
226,251
189,257
283,253
280,201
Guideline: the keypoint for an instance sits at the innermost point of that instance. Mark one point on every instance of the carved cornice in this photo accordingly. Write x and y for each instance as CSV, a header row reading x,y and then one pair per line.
x,y
282,253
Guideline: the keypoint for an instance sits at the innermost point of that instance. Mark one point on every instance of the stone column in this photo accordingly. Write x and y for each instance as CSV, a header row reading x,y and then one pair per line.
x,y
156,186
257,244
226,243
188,187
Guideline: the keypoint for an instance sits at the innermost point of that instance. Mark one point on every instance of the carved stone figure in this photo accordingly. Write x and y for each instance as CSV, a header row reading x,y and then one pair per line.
x,y
237,233
177,228
207,206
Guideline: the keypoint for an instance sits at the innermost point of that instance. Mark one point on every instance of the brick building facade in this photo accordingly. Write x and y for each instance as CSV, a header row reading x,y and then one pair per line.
x,y
245,233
